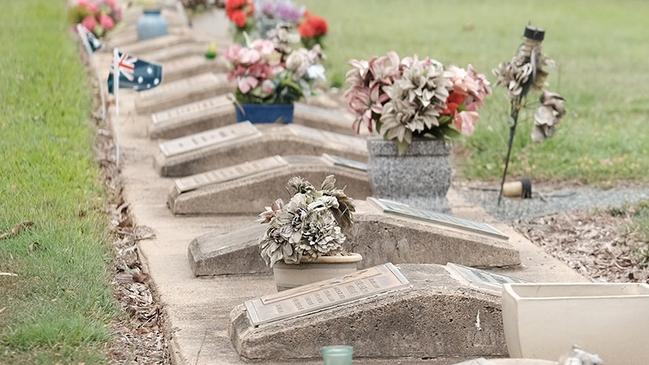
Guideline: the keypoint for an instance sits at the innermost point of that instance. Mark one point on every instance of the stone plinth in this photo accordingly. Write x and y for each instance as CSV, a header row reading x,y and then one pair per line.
x,y
173,94
432,316
338,121
149,45
192,118
236,144
192,65
175,52
378,236
249,187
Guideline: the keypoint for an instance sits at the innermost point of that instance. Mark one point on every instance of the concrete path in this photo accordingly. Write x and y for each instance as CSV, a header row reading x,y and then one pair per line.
x,y
198,309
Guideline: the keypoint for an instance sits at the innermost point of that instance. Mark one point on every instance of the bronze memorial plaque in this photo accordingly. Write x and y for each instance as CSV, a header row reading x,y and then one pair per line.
x,y
482,279
325,294
194,182
345,162
212,137
405,210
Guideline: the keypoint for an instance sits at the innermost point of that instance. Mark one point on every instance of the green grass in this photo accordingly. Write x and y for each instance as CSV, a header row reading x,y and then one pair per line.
x,y
58,307
601,49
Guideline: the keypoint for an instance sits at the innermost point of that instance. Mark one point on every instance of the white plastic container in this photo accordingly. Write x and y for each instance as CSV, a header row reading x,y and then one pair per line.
x,y
543,321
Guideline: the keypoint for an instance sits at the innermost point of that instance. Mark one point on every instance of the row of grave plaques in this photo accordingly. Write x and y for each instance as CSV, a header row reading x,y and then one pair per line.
x,y
423,307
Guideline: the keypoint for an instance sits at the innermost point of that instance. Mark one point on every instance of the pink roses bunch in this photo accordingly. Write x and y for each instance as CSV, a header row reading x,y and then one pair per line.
x,y
98,16
254,67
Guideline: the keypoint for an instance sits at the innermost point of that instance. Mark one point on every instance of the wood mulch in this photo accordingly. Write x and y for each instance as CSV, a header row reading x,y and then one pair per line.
x,y
602,245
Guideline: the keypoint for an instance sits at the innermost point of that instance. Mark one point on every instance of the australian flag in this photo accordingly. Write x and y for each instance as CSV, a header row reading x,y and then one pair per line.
x,y
89,40
135,74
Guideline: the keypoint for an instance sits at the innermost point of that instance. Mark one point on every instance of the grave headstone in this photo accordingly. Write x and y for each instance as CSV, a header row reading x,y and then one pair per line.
x,y
193,118
338,121
153,44
383,312
250,186
173,94
175,52
191,65
272,140
379,237
482,279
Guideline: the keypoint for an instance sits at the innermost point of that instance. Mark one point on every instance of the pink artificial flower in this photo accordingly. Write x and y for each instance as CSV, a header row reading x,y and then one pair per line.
x,y
90,6
247,83
465,122
89,22
106,22
248,56
267,87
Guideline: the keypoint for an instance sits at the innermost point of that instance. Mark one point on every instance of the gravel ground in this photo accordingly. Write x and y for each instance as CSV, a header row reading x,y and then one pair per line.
x,y
548,201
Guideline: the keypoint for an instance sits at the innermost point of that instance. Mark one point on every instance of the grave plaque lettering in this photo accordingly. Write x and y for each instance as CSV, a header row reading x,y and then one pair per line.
x,y
225,135
188,110
404,210
229,173
345,162
482,279
325,294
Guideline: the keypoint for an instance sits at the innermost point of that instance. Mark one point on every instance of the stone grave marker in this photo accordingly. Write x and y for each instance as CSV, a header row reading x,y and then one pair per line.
x,y
175,52
191,65
338,121
176,93
153,44
484,280
271,140
383,312
186,121
249,187
198,141
379,237
193,118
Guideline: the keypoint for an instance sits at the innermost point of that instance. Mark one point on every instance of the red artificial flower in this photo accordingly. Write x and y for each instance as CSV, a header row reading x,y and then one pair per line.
x,y
312,26
239,18
453,102
306,30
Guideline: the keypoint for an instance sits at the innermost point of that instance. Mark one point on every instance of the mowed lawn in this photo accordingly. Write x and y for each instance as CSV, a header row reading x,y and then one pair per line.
x,y
603,71
57,308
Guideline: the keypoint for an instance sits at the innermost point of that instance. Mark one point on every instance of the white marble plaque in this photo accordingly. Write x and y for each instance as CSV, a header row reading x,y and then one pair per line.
x,y
345,162
322,295
189,111
482,279
229,173
405,210
219,136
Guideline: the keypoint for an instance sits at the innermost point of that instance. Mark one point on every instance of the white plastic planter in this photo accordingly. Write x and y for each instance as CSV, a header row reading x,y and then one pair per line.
x,y
543,321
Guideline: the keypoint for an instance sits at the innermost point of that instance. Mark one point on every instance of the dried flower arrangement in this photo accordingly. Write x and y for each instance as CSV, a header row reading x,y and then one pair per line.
x,y
407,98
528,71
310,225
270,72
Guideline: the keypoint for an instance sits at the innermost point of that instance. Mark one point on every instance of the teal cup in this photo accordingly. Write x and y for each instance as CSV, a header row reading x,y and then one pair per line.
x,y
337,355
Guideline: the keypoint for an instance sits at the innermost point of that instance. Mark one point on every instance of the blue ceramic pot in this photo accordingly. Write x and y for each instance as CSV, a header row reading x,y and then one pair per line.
x,y
151,24
264,113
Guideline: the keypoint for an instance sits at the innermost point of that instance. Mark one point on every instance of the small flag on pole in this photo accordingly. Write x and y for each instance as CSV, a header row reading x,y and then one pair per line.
x,y
90,42
134,73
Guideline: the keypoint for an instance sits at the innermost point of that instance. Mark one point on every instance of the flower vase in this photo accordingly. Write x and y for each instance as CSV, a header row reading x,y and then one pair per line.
x,y
264,113
419,177
151,24
289,276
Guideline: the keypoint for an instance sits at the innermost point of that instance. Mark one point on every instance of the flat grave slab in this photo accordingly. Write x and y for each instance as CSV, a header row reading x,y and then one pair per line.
x,y
249,187
200,152
219,112
176,93
175,52
154,44
379,237
386,311
191,65
192,118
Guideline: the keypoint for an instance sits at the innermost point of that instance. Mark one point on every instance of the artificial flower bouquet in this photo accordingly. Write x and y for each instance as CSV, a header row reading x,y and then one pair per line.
x,y
310,225
241,13
97,16
408,98
312,29
266,74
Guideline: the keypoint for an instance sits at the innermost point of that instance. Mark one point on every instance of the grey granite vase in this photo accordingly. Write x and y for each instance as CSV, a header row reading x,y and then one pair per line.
x,y
420,177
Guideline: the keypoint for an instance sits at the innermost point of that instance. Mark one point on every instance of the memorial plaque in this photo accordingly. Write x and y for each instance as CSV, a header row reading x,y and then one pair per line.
x,y
328,138
229,173
225,135
489,281
187,83
345,162
170,53
322,295
404,210
188,111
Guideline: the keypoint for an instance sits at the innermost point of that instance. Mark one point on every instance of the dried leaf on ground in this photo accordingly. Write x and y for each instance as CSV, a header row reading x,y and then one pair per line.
x,y
15,230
